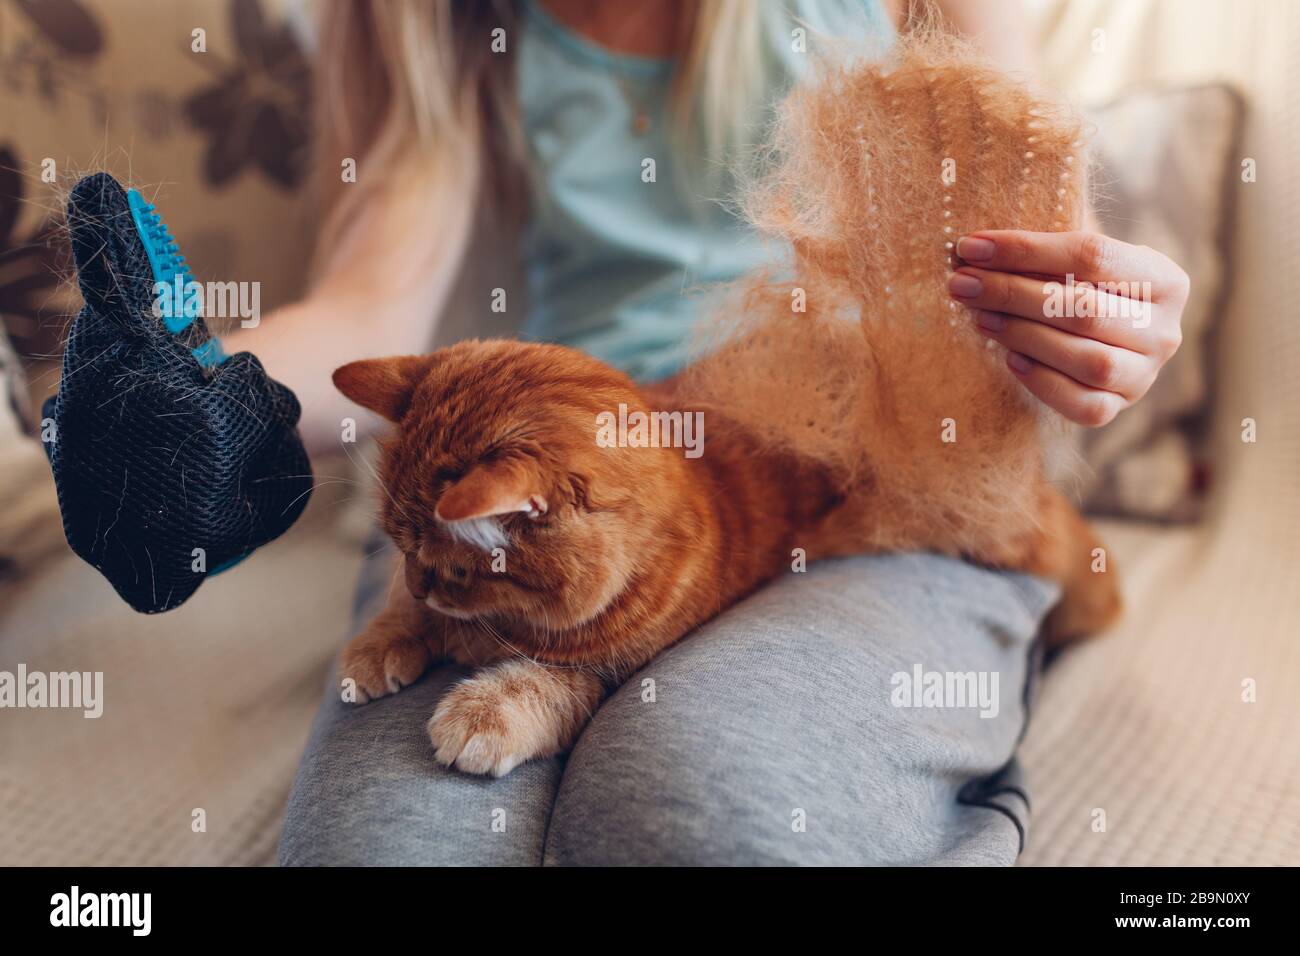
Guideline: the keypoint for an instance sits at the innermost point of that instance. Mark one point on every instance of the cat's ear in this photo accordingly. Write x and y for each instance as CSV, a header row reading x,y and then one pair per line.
x,y
509,486
383,385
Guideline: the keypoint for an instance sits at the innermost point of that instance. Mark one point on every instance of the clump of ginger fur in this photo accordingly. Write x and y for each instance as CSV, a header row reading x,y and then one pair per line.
x,y
872,173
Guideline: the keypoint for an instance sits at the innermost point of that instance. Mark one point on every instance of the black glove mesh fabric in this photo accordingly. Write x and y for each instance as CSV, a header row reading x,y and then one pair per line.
x,y
167,472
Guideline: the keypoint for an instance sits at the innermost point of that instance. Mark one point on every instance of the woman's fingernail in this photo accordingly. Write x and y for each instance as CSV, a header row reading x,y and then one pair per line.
x,y
990,321
1019,363
975,249
964,286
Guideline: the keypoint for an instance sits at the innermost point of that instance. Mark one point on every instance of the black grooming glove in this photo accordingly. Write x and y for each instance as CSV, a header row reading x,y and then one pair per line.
x,y
172,462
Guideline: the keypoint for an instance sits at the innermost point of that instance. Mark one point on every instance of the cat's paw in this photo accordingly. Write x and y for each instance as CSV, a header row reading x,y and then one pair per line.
x,y
480,726
382,661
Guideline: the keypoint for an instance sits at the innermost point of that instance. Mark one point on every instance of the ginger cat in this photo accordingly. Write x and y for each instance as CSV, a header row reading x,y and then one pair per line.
x,y
874,419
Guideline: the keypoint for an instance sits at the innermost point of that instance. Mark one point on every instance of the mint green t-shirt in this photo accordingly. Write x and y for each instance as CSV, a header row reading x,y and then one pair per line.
x,y
615,263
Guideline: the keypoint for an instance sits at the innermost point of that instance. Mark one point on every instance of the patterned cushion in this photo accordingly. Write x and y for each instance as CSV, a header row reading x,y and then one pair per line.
x,y
218,137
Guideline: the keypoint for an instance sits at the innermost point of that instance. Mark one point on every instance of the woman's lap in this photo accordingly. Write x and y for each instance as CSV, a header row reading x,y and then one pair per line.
x,y
768,736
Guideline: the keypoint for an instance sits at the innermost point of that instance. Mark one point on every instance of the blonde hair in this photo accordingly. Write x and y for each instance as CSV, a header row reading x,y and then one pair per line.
x,y
414,87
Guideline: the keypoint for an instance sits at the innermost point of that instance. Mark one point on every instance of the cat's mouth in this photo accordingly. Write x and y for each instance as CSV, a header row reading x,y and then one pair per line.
x,y
455,612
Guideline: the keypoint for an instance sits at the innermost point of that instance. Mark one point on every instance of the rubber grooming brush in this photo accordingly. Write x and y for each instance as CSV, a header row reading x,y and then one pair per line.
x,y
178,308
172,461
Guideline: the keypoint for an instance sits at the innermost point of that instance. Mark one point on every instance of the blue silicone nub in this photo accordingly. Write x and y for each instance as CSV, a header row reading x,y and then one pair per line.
x,y
226,566
179,308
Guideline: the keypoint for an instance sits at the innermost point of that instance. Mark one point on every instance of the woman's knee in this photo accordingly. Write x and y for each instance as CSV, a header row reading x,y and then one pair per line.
x,y
774,734
368,792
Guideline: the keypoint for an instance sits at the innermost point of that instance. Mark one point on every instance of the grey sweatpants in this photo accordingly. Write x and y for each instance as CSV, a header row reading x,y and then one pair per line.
x,y
866,711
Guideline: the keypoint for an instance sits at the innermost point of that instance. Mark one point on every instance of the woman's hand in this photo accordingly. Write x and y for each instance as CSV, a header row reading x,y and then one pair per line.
x,y
1088,320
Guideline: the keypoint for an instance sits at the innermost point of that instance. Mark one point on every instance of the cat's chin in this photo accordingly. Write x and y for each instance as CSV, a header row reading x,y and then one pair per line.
x,y
457,613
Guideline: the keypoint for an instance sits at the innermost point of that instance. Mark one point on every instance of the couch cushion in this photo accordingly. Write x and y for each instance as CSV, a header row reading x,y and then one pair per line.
x,y
1166,161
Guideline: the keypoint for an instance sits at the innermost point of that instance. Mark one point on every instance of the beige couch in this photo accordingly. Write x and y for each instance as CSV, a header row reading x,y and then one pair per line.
x,y
1148,727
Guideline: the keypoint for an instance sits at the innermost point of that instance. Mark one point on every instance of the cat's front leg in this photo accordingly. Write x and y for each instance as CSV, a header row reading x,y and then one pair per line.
x,y
391,653
510,713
